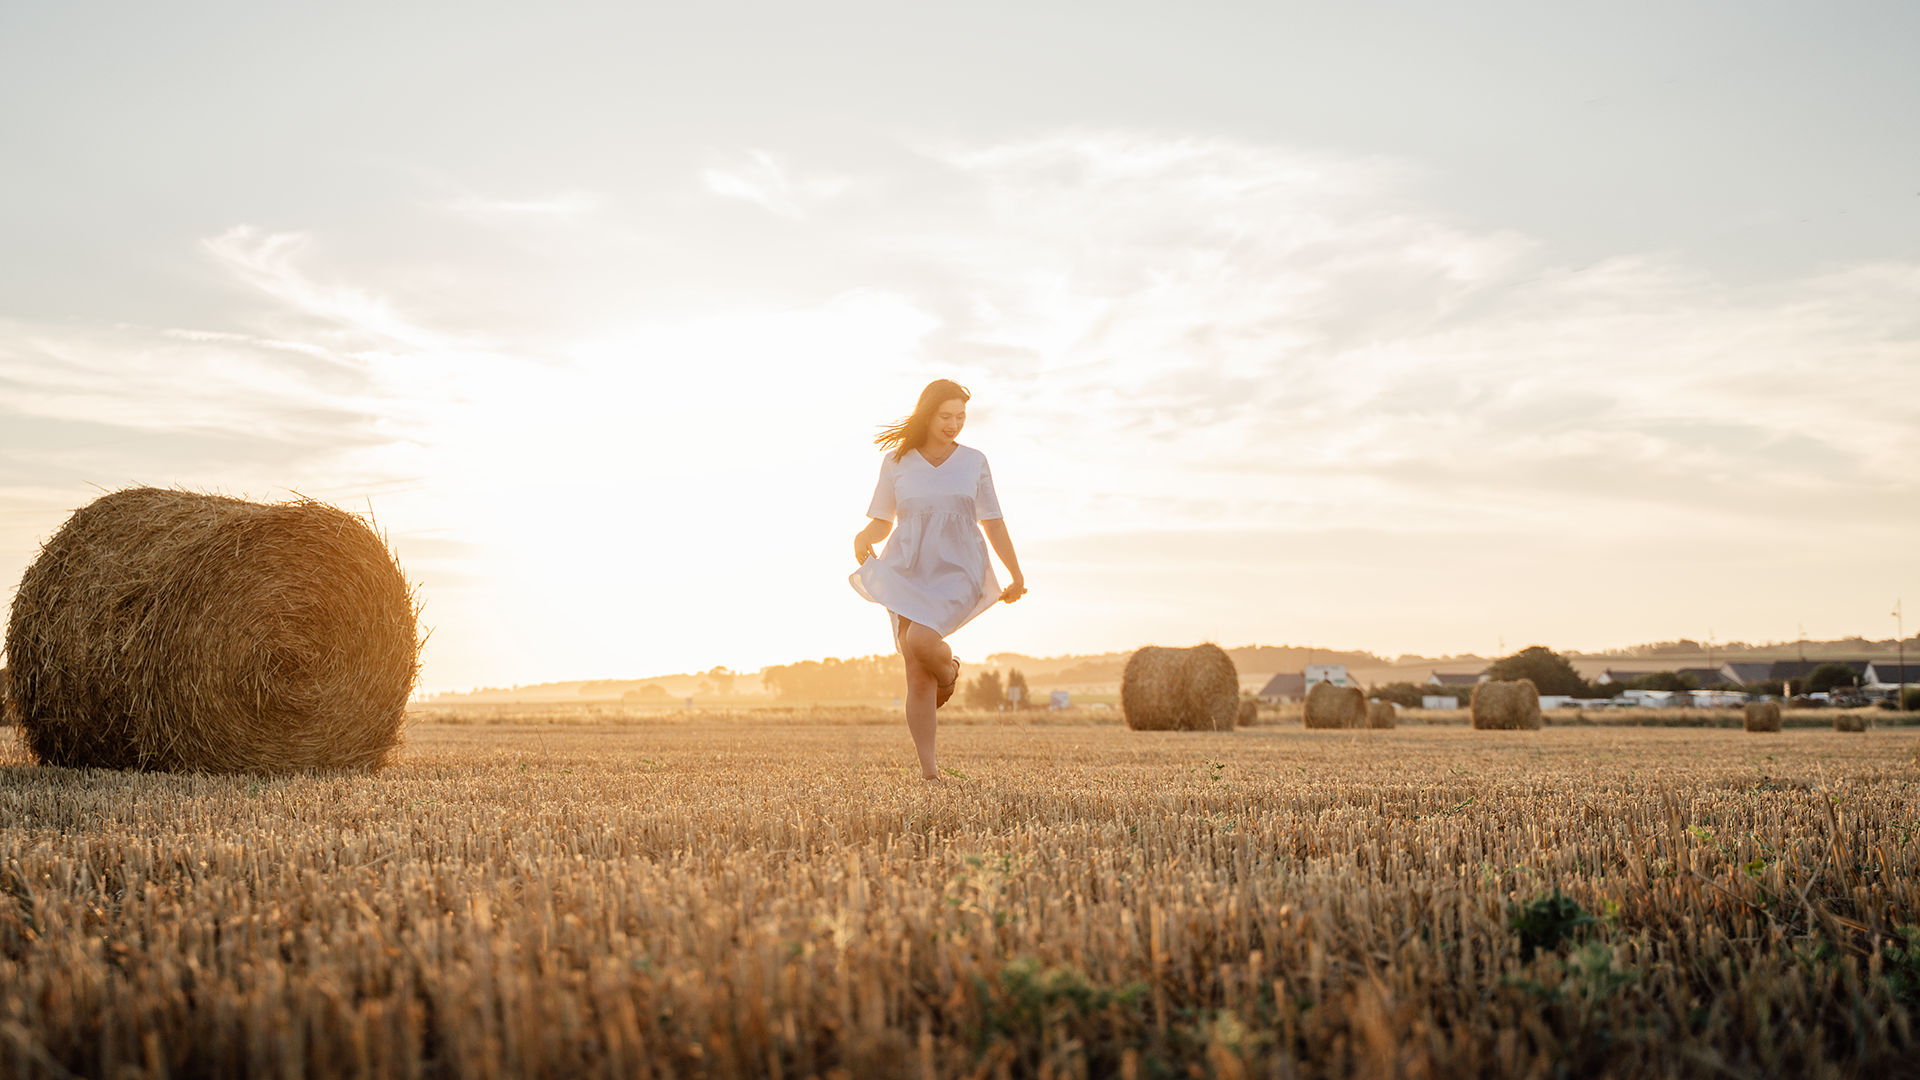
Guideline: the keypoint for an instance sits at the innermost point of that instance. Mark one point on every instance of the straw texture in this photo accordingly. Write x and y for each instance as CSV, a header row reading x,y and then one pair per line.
x,y
1330,706
1381,714
177,631
1763,716
1506,706
1195,689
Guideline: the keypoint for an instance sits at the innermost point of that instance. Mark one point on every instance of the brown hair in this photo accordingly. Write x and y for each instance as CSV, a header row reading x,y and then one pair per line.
x,y
910,432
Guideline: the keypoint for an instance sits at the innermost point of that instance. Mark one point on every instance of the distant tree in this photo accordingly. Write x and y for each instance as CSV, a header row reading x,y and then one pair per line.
x,y
1400,693
1772,687
1017,681
1551,673
1910,701
984,691
1826,677
722,678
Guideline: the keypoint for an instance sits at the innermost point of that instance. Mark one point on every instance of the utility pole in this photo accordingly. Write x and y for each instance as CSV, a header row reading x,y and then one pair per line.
x,y
1900,642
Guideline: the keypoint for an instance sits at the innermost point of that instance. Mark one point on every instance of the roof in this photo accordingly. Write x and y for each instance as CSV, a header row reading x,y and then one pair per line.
x,y
1888,672
1454,678
1745,672
1612,676
1796,669
1285,684
1705,676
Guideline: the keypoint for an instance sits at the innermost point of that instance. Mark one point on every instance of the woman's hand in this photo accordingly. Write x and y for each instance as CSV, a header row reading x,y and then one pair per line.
x,y
1014,591
864,540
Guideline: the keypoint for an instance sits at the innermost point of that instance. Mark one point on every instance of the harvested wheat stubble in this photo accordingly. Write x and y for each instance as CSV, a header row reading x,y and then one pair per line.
x,y
177,631
1763,716
1195,689
1849,722
1330,706
1381,714
1506,706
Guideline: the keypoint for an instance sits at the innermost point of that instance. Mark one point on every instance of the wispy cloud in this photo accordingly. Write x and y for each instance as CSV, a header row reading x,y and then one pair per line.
x,y
766,181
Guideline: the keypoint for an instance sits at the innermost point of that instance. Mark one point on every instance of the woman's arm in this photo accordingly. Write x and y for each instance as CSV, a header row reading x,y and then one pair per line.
x,y
864,540
996,529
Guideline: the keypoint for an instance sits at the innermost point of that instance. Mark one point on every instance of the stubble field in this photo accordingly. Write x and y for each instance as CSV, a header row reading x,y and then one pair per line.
x,y
714,896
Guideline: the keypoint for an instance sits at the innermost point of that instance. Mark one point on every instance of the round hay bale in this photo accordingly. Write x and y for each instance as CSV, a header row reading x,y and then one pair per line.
x,y
176,631
1330,706
1381,714
1195,689
1249,710
1763,716
1848,721
1506,706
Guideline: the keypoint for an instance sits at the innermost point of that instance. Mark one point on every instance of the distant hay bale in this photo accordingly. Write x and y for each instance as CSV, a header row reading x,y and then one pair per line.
x,y
1506,706
1849,722
1195,689
1763,716
176,631
1381,714
1330,706
1249,711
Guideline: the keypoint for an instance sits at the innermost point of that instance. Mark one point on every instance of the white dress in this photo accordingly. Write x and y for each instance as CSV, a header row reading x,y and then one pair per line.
x,y
935,569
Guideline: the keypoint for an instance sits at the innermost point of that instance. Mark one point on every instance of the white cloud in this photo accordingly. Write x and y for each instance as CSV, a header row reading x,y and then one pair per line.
x,y
766,181
1170,341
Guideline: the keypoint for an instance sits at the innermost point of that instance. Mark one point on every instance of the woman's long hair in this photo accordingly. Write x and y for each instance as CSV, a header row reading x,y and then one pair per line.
x,y
911,432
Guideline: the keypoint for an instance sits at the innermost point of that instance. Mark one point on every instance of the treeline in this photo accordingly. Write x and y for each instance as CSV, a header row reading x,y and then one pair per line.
x,y
881,676
1555,674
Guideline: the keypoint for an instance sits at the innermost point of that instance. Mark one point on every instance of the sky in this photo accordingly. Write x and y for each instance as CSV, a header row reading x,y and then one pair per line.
x,y
1415,328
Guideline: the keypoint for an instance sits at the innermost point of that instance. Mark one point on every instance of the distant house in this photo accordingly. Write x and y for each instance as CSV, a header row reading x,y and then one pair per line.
x,y
1744,674
1456,678
1703,676
1800,669
1612,676
1888,675
1333,673
1286,686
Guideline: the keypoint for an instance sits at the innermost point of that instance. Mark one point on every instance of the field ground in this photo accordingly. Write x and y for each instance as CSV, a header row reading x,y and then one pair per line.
x,y
778,895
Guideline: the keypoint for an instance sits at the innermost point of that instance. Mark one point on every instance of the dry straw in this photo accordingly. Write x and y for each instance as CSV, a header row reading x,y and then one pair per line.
x,y
1849,722
1506,706
1381,714
185,632
1763,716
1330,706
1195,689
1249,711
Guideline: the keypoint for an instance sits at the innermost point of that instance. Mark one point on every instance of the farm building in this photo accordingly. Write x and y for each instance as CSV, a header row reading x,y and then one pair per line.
x,y
1611,676
1745,674
1456,678
1333,673
1288,686
1889,675
1800,669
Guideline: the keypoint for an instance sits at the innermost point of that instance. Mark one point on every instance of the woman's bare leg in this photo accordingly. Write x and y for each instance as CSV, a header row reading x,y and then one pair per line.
x,y
929,663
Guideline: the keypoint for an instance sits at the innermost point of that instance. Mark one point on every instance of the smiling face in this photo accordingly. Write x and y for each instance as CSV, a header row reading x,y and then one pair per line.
x,y
948,419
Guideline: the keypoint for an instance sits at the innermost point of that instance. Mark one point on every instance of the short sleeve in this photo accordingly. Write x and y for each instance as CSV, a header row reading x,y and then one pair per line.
x,y
882,506
986,504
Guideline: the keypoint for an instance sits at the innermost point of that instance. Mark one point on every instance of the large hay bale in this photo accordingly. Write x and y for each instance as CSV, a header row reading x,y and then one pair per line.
x,y
1849,721
1195,689
1330,706
184,632
1506,706
1381,714
1763,716
1249,710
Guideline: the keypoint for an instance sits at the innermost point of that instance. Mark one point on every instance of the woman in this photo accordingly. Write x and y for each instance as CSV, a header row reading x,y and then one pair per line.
x,y
934,576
